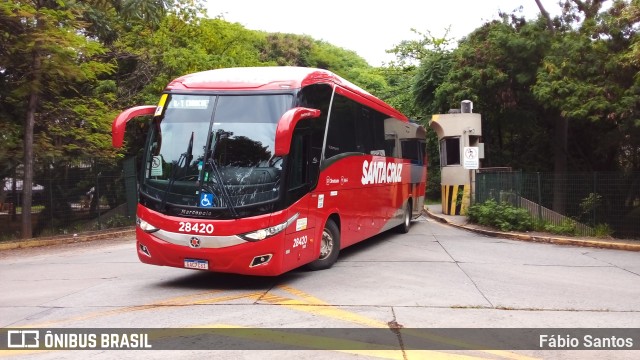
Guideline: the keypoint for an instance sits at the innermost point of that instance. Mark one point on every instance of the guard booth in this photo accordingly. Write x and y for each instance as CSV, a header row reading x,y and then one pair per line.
x,y
459,133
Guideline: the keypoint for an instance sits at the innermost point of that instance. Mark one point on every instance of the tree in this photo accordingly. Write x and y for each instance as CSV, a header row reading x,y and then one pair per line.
x,y
587,82
287,49
419,68
573,77
495,67
49,54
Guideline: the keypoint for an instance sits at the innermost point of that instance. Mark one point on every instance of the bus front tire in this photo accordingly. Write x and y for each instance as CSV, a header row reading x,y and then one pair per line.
x,y
329,247
406,220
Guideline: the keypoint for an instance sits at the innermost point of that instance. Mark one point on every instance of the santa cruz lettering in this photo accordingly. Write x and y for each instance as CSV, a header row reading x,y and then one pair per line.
x,y
380,172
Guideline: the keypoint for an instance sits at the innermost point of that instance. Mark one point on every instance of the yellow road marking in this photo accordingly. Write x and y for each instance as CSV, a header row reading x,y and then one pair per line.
x,y
306,303
330,311
176,301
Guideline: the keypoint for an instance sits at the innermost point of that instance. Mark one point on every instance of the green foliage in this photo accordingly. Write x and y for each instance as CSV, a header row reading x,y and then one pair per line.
x,y
590,203
589,206
603,230
567,227
44,55
500,215
526,76
494,67
115,221
327,56
434,184
287,49
151,11
432,72
570,228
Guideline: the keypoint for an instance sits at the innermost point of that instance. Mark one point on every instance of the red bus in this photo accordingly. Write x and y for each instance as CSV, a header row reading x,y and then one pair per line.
x,y
262,170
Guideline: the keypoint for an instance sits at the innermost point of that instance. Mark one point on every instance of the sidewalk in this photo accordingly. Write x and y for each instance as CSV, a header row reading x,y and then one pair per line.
x,y
68,239
435,212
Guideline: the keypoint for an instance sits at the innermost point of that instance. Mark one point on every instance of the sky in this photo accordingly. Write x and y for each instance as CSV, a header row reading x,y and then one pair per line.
x,y
369,27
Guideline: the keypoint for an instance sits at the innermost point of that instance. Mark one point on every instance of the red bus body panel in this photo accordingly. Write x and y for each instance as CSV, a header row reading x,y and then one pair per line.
x,y
233,259
367,199
276,78
364,211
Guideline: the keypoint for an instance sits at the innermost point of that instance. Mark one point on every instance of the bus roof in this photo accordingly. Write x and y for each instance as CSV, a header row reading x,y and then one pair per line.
x,y
271,78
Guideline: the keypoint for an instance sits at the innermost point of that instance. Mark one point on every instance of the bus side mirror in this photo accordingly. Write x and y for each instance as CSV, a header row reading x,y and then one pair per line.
x,y
287,123
119,124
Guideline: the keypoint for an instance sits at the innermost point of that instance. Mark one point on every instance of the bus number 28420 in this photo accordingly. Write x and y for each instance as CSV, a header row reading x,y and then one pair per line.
x,y
198,228
301,241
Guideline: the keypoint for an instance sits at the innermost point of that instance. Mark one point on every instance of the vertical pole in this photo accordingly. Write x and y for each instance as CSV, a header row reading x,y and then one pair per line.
x,y
519,188
98,199
595,191
470,187
539,198
51,206
14,197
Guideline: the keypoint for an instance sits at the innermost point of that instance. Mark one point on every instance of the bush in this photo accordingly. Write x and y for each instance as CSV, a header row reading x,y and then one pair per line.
x,y
502,216
603,230
567,227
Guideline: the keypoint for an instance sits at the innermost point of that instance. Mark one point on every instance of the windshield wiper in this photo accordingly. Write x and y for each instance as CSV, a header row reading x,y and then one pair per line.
x,y
186,157
223,188
216,172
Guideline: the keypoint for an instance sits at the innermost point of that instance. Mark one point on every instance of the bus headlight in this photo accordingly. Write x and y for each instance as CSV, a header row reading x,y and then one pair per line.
x,y
145,226
270,231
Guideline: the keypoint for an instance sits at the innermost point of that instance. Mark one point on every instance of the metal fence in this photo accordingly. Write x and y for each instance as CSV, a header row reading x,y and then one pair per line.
x,y
590,200
69,205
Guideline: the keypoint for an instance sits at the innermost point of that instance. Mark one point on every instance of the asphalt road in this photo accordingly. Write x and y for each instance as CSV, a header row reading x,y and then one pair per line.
x,y
436,276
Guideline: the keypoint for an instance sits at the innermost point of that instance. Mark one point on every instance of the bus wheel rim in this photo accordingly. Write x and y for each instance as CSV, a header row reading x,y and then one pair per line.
x,y
326,245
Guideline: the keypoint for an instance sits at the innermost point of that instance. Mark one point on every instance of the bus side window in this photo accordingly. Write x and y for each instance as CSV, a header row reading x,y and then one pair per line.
x,y
370,132
317,137
411,151
298,160
390,144
298,179
316,96
340,136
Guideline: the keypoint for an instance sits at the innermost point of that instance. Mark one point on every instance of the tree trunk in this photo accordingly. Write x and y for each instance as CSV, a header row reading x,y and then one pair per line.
x,y
560,140
27,183
547,17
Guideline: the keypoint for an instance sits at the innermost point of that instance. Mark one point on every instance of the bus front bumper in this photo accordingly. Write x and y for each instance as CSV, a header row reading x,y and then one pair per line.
x,y
261,258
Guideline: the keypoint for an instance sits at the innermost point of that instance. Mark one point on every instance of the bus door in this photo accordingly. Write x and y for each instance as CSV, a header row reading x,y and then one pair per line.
x,y
300,242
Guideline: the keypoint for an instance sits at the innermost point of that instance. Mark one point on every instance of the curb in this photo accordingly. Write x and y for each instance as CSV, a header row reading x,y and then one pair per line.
x,y
609,244
35,242
124,232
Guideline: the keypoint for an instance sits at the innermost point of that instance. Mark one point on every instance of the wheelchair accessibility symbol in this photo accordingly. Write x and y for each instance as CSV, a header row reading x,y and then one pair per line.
x,y
206,200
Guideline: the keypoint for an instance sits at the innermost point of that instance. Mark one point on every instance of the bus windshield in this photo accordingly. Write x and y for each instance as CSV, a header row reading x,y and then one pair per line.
x,y
214,152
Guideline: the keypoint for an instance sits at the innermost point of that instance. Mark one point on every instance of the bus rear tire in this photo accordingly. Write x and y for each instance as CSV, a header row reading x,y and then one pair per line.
x,y
406,220
329,247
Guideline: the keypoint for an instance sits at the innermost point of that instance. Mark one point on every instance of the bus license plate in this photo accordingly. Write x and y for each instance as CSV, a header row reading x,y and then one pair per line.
x,y
196,264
